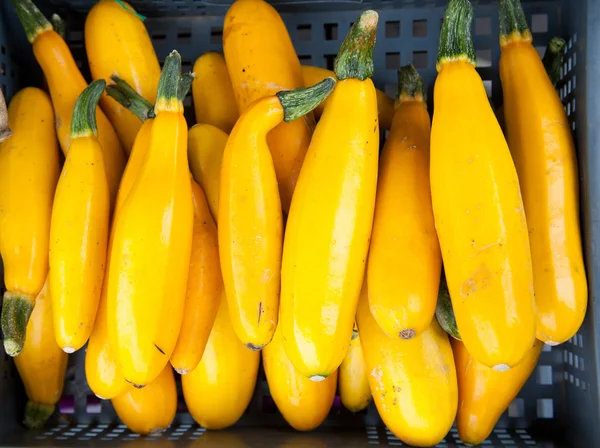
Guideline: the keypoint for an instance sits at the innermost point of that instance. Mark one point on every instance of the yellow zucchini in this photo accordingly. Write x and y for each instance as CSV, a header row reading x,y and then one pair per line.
x,y
29,169
541,143
329,224
79,228
404,258
477,205
355,393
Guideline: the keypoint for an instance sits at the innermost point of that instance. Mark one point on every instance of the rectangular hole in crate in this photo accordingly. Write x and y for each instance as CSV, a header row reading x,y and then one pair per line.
x,y
329,60
483,26
420,59
517,408
419,28
305,59
487,83
545,408
216,36
484,58
392,61
2,49
539,23
304,32
159,35
544,375
331,31
392,29
184,36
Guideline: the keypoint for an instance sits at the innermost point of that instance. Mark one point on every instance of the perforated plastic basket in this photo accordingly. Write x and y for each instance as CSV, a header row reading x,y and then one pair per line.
x,y
560,403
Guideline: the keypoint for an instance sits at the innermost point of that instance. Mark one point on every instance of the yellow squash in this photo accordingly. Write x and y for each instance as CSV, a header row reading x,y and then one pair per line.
x,y
206,144
261,61
116,42
102,370
329,225
151,409
303,403
385,104
413,381
151,245
541,143
41,364
204,288
250,218
218,391
404,258
354,378
479,215
214,101
66,83
79,228
29,169
484,394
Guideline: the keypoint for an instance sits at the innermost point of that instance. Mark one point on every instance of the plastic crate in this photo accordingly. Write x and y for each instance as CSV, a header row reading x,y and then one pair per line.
x,y
559,406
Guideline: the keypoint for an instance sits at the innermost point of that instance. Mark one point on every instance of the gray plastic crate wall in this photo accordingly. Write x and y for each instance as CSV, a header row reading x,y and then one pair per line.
x,y
562,394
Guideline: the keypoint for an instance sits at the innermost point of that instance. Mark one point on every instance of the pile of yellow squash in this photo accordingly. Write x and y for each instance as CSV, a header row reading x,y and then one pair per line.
x,y
276,225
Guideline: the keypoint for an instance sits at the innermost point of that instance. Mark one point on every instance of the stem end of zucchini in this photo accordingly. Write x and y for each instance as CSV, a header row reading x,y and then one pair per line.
x,y
355,58
456,43
37,414
299,102
16,310
167,96
83,123
513,24
410,84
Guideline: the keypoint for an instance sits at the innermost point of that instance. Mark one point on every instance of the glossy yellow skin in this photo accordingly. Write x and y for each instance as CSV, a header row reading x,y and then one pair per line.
x,y
78,242
413,381
66,83
328,230
385,104
204,288
404,258
251,225
262,61
150,254
42,363
480,221
354,378
117,42
214,101
218,391
102,370
29,170
541,143
303,403
484,394
206,144
152,408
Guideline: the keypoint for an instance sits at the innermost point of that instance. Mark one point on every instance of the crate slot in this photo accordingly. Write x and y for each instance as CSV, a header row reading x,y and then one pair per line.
x,y
483,26
392,29
419,28
331,31
420,59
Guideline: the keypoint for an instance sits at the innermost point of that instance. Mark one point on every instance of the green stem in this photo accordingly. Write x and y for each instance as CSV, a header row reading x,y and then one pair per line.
x,y
16,311
299,102
83,123
59,25
185,84
512,21
355,58
127,97
553,58
37,414
131,10
33,21
167,95
410,84
455,38
444,312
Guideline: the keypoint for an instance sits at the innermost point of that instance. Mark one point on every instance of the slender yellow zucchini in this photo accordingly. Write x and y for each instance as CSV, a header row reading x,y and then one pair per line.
x,y
541,143
329,225
79,228
29,169
477,205
250,218
404,258
151,245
